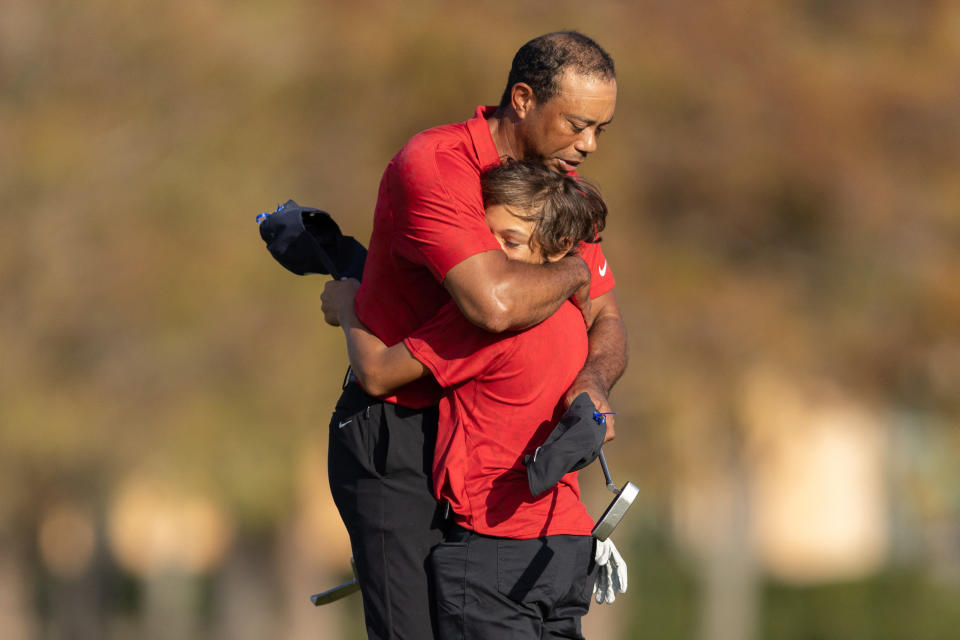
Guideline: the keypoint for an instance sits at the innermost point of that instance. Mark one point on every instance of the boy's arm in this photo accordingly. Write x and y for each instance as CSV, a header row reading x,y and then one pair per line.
x,y
379,368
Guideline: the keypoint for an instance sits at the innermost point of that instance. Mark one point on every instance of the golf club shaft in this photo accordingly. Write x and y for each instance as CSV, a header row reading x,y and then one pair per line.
x,y
606,474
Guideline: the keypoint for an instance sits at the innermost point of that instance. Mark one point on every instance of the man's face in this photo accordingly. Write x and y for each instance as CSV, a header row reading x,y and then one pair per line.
x,y
562,131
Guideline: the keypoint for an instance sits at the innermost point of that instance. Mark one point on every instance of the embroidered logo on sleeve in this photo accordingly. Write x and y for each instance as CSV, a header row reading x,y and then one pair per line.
x,y
603,269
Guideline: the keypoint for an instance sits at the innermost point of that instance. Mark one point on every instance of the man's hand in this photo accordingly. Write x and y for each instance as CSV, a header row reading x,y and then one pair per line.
x,y
337,299
585,382
581,298
612,574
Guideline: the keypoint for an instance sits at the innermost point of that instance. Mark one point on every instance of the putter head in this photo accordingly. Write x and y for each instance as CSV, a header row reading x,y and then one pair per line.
x,y
615,512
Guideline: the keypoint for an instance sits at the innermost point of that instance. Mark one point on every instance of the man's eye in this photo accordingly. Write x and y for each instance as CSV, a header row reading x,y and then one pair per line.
x,y
576,128
600,130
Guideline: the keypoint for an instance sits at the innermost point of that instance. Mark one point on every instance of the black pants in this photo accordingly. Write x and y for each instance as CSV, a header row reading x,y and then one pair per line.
x,y
507,589
380,464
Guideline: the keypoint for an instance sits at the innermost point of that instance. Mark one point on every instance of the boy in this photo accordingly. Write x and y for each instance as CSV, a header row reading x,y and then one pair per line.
x,y
511,565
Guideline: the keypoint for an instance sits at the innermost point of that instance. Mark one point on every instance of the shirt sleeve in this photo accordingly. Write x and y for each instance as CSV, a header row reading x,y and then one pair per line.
x,y
438,192
601,277
454,349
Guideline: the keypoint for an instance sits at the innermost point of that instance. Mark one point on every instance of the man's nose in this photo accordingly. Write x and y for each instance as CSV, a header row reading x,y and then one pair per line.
x,y
587,142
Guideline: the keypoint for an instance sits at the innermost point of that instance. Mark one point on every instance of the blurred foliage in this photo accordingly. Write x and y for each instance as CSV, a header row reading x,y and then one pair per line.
x,y
781,177
895,604
662,595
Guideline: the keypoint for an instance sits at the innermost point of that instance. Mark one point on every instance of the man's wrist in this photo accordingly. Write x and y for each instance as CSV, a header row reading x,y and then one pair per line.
x,y
591,379
578,268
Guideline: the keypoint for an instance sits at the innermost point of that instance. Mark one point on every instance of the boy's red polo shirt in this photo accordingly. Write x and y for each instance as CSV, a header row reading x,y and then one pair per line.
x,y
503,397
429,217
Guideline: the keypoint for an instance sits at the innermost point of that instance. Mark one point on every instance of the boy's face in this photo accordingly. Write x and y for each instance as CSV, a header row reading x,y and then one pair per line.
x,y
514,234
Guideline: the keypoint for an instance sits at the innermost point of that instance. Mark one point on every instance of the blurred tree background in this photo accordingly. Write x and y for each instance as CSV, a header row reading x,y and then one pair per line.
x,y
785,221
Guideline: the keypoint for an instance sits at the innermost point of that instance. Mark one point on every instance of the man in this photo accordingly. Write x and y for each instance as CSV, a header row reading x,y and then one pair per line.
x,y
430,243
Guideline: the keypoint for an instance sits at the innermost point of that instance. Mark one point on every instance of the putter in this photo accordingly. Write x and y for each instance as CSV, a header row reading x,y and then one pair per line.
x,y
625,496
618,508
339,591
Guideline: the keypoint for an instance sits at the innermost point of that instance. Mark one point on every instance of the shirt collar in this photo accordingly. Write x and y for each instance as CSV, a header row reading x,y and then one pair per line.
x,y
479,130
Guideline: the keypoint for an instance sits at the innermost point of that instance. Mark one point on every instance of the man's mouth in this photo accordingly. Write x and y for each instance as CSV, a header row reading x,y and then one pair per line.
x,y
567,166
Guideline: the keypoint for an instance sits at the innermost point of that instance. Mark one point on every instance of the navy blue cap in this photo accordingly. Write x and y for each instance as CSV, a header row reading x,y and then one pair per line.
x,y
573,444
307,240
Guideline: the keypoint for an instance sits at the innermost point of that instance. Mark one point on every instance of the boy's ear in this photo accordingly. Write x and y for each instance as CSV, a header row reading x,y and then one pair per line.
x,y
567,248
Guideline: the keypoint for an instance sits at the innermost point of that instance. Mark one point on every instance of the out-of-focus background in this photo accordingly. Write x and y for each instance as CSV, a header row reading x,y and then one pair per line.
x,y
784,185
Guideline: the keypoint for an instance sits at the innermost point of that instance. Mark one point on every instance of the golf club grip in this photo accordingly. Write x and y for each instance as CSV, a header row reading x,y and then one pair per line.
x,y
331,595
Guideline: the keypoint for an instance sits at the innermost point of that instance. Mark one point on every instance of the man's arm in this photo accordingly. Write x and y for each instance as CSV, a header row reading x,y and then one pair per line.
x,y
499,294
606,359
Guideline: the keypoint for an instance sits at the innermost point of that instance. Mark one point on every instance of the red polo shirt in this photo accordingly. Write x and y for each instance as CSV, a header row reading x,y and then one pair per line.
x,y
503,397
429,217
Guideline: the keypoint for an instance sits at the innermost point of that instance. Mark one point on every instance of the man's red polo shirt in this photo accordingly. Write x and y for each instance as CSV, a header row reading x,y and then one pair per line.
x,y
503,397
429,217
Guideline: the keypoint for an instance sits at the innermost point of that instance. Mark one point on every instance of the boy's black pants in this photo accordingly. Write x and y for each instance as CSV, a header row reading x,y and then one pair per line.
x,y
489,587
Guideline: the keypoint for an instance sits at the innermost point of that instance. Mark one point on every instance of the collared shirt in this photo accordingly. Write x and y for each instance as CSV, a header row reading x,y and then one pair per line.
x,y
428,218
502,400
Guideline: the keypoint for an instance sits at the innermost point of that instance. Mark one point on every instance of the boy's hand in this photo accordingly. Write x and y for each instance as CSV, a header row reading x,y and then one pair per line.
x,y
337,299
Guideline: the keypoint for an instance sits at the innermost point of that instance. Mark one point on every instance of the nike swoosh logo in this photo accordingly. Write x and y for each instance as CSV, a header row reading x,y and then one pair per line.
x,y
603,269
343,424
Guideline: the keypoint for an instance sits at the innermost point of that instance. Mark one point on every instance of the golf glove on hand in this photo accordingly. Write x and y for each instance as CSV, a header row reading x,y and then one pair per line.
x,y
612,574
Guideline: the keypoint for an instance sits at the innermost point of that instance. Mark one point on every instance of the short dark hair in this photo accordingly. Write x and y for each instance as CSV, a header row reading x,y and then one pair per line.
x,y
564,209
542,61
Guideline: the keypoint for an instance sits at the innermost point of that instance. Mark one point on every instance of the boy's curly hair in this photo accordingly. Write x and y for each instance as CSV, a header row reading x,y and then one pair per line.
x,y
565,210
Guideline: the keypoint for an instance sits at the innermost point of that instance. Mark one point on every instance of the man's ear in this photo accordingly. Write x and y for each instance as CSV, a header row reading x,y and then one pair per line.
x,y
522,99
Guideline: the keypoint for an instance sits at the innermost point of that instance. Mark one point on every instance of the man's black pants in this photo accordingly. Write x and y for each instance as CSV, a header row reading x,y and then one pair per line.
x,y
504,589
380,465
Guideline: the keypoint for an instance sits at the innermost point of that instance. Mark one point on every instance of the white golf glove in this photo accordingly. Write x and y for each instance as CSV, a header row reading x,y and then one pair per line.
x,y
612,576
